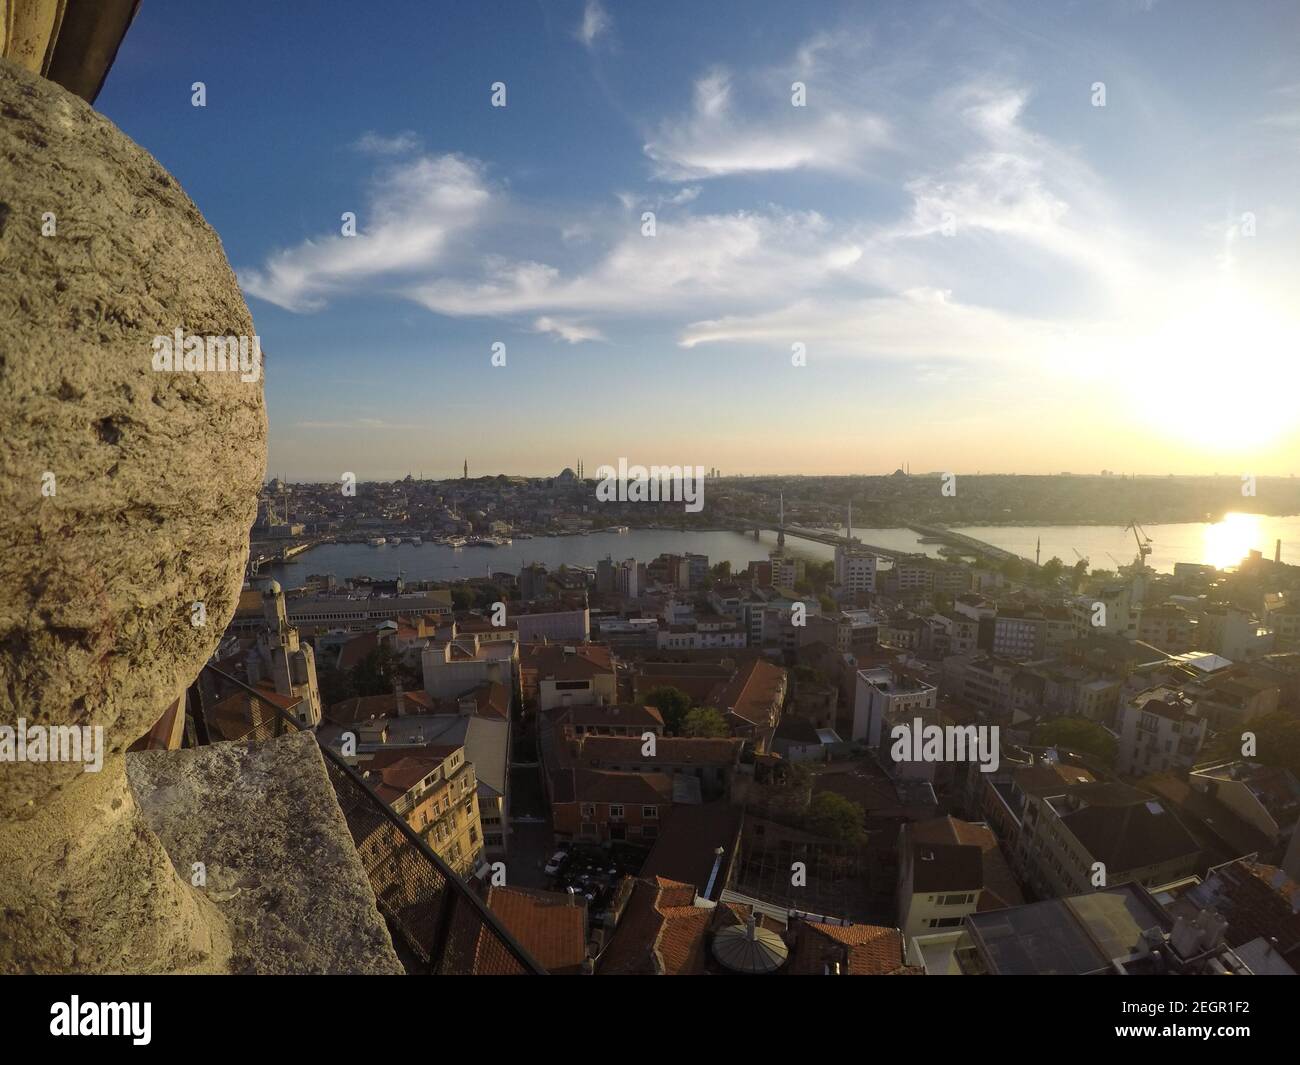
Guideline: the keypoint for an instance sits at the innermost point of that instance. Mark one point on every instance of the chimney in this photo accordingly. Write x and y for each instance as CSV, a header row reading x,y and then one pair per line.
x,y
1277,551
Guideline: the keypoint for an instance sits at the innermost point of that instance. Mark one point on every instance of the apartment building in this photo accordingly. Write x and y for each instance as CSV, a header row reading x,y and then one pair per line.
x,y
434,789
947,869
568,674
1265,797
465,662
1160,729
1088,835
883,693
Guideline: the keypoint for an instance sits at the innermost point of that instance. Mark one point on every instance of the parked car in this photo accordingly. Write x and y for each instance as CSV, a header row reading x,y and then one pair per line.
x,y
556,863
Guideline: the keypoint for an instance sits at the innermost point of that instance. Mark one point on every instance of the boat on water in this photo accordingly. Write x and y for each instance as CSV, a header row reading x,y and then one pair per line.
x,y
377,541
415,540
524,536
456,541
617,529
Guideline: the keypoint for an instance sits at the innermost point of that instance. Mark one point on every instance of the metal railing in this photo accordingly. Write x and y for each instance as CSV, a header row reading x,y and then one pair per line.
x,y
439,926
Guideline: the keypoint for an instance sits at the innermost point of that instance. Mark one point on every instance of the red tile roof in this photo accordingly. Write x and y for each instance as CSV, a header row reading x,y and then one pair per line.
x,y
860,949
550,926
754,692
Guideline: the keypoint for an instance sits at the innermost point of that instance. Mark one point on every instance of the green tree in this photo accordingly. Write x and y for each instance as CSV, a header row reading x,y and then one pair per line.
x,y
335,684
1079,734
378,673
835,817
1277,741
1013,569
722,570
705,721
673,704
1052,570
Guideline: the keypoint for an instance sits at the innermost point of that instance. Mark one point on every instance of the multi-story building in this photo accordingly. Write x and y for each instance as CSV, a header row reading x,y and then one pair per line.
x,y
1168,627
568,674
434,789
787,570
1233,633
884,693
948,868
460,664
599,806
532,582
572,625
1087,835
1265,797
920,573
1119,930
1159,729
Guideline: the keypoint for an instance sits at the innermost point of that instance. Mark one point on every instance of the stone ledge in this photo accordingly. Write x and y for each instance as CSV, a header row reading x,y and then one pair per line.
x,y
280,863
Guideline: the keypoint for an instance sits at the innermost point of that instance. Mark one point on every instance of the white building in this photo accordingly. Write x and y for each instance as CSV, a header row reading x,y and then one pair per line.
x,y
456,666
1159,729
883,692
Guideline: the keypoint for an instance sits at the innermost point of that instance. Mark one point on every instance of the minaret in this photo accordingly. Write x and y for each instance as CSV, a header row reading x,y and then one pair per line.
x,y
465,474
1038,552
780,529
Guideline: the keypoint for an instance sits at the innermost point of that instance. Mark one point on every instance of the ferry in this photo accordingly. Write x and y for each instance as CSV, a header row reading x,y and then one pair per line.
x,y
456,541
617,529
377,541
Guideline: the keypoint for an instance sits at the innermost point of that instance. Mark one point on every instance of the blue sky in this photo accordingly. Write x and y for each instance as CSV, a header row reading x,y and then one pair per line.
x,y
986,270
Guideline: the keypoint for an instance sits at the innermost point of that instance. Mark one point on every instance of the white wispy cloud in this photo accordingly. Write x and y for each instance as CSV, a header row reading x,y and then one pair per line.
x,y
566,329
412,211
595,23
716,138
980,189
744,258
380,144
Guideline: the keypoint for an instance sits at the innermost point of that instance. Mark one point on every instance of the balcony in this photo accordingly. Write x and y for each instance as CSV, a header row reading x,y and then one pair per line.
x,y
438,925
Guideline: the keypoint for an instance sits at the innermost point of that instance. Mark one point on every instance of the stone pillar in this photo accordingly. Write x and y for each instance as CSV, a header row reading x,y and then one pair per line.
x,y
126,496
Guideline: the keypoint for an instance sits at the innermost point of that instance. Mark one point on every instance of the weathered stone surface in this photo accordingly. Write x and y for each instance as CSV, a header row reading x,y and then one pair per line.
x,y
155,479
279,860
156,473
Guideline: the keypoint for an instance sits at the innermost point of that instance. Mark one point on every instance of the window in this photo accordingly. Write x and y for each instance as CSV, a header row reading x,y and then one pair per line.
x,y
588,809
945,922
956,900
616,812
649,813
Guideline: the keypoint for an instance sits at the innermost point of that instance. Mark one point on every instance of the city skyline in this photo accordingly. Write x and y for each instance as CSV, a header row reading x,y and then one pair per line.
x,y
1080,215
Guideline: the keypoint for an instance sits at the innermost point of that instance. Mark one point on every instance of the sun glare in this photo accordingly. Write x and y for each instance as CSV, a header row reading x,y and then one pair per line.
x,y
1228,541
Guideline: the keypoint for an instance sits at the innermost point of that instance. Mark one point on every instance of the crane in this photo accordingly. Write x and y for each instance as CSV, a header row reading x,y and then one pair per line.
x,y
1143,543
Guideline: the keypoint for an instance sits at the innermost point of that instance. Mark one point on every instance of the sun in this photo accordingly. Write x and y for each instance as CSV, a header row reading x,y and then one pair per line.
x,y
1227,542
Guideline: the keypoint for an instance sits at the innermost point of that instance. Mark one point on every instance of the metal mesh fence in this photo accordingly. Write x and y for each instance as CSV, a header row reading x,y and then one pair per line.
x,y
439,926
